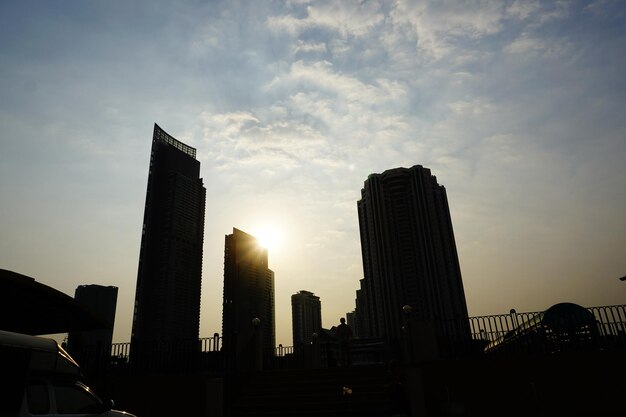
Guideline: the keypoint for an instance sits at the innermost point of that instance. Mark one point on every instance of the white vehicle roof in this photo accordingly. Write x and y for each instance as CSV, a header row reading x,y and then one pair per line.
x,y
46,354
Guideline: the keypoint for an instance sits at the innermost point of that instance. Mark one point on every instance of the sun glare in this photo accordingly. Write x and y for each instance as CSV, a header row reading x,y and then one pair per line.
x,y
269,237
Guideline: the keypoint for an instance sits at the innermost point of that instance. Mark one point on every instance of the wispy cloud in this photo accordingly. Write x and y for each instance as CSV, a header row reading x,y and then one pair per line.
x,y
346,18
516,106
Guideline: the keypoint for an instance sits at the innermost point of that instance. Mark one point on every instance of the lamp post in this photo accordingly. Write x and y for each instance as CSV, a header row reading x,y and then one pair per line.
x,y
257,345
408,334
514,318
315,359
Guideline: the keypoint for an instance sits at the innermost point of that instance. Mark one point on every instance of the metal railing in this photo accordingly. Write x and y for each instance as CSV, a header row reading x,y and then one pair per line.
x,y
611,319
608,331
470,336
200,355
282,351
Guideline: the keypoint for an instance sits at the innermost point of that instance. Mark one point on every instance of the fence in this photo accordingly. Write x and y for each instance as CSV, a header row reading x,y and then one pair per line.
x,y
527,332
202,355
611,322
600,328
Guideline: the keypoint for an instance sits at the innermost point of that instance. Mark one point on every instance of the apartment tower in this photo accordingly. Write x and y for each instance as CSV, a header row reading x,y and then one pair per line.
x,y
306,317
409,255
248,295
167,298
102,302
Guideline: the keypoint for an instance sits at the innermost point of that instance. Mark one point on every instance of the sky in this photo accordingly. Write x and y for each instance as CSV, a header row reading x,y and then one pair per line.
x,y
517,107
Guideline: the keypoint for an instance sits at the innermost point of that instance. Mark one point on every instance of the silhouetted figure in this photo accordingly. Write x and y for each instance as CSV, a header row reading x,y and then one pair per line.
x,y
395,386
344,333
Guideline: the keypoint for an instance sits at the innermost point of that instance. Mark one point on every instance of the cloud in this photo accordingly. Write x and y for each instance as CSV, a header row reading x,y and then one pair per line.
x,y
522,9
558,10
322,76
525,44
242,139
354,18
438,25
316,47
605,8
514,105
529,47
474,107
347,18
287,23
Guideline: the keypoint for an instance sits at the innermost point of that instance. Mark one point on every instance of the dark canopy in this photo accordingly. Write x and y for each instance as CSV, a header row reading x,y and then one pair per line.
x,y
29,307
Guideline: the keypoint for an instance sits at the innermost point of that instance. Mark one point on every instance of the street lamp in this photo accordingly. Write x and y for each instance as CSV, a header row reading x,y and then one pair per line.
x,y
407,310
408,343
258,359
514,317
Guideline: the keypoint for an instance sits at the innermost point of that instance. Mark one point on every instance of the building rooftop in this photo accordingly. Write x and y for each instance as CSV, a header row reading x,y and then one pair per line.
x,y
162,136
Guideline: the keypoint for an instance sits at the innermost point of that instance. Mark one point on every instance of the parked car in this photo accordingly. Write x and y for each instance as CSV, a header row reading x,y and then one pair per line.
x,y
39,378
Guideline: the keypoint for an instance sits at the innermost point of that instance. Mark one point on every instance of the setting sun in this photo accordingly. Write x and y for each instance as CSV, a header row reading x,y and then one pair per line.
x,y
269,237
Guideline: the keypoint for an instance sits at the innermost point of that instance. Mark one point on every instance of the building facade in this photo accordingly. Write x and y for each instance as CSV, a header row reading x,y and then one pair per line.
x,y
248,295
409,255
167,298
360,326
306,317
92,348
102,302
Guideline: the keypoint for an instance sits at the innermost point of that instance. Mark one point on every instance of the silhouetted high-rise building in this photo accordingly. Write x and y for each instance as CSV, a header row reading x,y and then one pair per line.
x,y
92,348
167,299
102,302
351,322
248,294
409,254
306,317
361,312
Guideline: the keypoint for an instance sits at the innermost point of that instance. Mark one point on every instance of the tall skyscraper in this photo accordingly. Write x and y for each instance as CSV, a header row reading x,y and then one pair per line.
x,y
248,294
167,298
102,302
306,317
409,254
92,348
